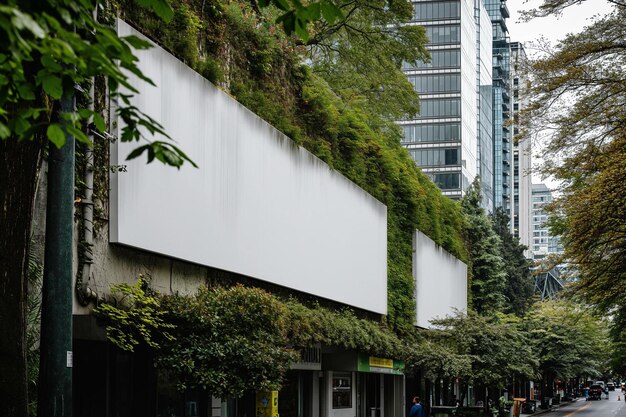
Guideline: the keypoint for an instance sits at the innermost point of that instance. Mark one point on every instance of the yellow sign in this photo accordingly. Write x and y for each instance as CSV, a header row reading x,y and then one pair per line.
x,y
381,362
267,404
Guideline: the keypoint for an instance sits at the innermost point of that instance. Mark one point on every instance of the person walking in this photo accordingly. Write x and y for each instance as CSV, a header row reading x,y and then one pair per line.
x,y
417,409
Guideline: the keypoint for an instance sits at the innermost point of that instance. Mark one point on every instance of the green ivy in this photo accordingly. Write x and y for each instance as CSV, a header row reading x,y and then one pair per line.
x,y
134,316
229,340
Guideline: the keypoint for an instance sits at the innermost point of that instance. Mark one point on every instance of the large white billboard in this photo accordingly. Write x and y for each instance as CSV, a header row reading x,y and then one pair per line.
x,y
258,205
440,281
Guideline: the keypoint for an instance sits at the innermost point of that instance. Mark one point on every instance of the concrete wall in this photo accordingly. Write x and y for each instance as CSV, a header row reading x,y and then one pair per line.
x,y
258,205
440,281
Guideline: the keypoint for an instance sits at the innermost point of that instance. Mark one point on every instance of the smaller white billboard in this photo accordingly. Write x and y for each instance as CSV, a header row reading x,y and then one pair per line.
x,y
440,281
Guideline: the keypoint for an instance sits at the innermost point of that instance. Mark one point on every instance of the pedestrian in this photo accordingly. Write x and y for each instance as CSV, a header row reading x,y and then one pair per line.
x,y
417,409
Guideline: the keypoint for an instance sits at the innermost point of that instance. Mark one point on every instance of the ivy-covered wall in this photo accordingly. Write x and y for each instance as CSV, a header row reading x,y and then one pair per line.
x,y
250,58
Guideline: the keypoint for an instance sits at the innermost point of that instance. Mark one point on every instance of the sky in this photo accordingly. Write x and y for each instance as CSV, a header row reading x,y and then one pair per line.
x,y
573,20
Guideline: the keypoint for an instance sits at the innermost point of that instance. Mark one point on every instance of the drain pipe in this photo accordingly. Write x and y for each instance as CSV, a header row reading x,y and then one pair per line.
x,y
84,293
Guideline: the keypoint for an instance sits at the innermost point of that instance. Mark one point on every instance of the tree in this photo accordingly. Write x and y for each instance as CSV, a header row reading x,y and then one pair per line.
x,y
568,340
47,49
497,349
361,56
577,93
519,281
488,278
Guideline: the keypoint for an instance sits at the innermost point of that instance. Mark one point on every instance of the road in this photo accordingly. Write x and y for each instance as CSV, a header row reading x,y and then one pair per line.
x,y
598,408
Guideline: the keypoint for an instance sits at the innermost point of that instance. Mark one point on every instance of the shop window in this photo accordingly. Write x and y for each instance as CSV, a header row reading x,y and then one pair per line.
x,y
342,390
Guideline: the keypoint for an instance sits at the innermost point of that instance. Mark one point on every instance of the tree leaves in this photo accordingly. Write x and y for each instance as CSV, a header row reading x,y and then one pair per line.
x,y
62,49
56,135
161,7
53,86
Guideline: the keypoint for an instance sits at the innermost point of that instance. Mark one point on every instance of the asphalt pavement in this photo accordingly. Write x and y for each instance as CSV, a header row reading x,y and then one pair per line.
x,y
597,408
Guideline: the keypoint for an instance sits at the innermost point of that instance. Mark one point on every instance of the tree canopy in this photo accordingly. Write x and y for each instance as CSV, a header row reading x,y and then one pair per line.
x,y
577,93
361,56
568,340
488,278
519,287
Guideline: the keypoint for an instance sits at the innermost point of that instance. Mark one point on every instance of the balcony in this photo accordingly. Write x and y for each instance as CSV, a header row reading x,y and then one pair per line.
x,y
504,10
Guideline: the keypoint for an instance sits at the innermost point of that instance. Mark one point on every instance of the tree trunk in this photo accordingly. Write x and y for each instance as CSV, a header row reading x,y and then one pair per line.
x,y
19,167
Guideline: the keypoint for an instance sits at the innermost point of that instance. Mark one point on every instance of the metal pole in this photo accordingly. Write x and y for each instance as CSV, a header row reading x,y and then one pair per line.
x,y
55,369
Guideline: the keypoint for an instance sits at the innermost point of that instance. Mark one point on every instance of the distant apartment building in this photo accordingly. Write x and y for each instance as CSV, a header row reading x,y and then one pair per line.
x,y
451,137
543,243
522,158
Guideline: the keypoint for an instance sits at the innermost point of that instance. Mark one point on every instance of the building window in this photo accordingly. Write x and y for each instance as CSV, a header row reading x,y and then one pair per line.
x,y
450,107
439,59
447,181
439,83
342,390
436,11
444,34
436,157
440,132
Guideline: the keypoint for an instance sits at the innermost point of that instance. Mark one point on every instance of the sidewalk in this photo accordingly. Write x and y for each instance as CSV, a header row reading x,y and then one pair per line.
x,y
554,407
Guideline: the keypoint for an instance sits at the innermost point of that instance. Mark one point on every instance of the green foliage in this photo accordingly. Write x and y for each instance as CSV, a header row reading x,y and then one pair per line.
x,y
134,316
308,326
496,348
33,327
519,288
577,95
568,340
361,57
488,277
53,46
227,341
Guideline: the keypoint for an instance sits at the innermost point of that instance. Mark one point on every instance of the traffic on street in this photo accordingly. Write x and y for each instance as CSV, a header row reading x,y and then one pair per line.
x,y
594,408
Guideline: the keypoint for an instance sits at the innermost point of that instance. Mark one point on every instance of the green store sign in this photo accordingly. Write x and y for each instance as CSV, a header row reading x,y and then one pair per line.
x,y
380,365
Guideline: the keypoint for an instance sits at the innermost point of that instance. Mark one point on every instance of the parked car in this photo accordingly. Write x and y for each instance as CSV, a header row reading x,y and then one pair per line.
x,y
595,392
610,386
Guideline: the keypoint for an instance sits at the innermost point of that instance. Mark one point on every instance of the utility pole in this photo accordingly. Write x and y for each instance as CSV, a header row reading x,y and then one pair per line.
x,y
55,369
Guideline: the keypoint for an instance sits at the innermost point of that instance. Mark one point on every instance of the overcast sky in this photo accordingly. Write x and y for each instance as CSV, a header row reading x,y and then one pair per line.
x,y
573,20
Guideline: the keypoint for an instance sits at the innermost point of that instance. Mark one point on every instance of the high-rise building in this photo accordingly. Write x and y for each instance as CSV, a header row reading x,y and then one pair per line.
x,y
522,159
543,243
502,155
451,138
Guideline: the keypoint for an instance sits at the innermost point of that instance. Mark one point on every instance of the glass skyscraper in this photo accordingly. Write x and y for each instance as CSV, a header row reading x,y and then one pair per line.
x,y
502,143
450,139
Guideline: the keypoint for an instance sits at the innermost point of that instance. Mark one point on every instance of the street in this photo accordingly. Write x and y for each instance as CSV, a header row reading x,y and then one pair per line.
x,y
598,408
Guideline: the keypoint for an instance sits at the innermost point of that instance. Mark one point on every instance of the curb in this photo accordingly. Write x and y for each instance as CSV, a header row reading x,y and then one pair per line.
x,y
553,408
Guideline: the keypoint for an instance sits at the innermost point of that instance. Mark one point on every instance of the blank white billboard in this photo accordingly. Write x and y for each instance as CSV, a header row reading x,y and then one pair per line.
x,y
258,205
440,281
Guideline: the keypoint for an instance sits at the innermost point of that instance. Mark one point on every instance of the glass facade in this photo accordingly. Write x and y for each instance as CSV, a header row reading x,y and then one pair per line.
x,y
436,10
443,34
440,59
436,157
502,137
440,83
443,139
440,132
484,120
